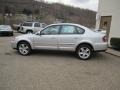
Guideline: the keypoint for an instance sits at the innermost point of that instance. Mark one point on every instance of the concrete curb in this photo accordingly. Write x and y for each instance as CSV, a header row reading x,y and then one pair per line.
x,y
113,52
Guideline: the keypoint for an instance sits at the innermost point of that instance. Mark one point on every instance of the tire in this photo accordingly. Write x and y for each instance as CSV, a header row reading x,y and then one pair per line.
x,y
29,31
18,28
24,48
84,52
11,34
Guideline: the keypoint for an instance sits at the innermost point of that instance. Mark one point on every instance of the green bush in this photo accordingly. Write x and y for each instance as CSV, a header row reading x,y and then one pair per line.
x,y
115,43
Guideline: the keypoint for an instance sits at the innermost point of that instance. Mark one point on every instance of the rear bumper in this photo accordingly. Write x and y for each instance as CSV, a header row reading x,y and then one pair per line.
x,y
100,47
22,31
6,32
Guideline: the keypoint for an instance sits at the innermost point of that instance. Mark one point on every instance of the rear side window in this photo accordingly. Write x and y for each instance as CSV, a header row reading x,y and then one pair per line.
x,y
68,29
27,24
43,25
37,25
80,30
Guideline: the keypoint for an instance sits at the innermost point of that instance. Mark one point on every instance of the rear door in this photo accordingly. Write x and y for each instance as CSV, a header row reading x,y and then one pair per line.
x,y
37,27
26,26
69,36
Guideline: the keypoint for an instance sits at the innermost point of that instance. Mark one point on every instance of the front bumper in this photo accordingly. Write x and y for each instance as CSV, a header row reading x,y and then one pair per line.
x,y
13,45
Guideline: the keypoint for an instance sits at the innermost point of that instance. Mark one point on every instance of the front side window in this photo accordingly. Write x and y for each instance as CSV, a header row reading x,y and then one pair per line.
x,y
37,25
66,29
27,24
52,30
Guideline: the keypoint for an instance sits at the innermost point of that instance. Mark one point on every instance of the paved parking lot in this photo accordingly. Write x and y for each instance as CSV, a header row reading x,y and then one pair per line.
x,y
46,70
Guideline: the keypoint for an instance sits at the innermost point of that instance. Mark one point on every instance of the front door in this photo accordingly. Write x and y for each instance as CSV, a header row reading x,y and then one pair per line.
x,y
48,39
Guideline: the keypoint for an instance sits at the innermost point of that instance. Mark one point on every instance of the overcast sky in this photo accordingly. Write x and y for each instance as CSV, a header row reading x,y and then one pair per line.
x,y
87,4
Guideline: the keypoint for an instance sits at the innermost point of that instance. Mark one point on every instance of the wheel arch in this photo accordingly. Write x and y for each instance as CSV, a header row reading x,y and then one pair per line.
x,y
85,43
25,42
29,30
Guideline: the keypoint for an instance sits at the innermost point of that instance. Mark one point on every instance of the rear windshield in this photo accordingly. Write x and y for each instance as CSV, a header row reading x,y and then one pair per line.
x,y
27,24
4,27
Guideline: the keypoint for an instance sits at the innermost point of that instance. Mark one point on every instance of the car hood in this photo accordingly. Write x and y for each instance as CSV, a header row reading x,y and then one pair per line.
x,y
26,36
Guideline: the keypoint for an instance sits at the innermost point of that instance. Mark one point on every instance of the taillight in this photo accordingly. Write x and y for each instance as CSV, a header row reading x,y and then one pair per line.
x,y
104,39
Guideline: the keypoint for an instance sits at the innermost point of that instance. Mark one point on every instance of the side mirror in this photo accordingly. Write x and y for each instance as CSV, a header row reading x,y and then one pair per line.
x,y
42,33
38,33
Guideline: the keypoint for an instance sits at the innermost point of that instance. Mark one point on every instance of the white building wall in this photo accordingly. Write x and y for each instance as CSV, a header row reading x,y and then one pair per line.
x,y
110,8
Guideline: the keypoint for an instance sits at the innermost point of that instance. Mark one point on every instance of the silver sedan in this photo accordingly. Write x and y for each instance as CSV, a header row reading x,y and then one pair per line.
x,y
63,36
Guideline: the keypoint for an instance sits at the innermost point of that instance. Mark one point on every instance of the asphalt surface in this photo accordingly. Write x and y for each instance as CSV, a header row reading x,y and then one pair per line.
x,y
51,70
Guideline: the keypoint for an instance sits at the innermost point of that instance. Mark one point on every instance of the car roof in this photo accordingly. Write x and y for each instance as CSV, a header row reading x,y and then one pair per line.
x,y
70,24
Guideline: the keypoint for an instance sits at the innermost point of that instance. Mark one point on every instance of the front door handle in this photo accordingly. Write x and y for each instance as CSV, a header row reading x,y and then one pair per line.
x,y
76,38
53,38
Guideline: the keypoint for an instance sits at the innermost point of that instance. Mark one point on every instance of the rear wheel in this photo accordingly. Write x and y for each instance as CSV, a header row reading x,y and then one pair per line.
x,y
84,52
24,48
29,32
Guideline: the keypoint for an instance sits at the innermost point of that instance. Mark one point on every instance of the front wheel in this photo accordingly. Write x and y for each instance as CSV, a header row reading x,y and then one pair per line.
x,y
24,48
84,52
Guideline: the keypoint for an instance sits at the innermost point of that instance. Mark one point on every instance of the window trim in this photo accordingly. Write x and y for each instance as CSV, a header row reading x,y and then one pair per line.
x,y
27,25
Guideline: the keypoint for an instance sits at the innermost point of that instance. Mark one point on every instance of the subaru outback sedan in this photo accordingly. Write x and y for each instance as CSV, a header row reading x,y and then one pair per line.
x,y
63,36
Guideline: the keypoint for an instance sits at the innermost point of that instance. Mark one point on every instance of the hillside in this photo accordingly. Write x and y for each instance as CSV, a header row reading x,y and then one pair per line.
x,y
49,12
